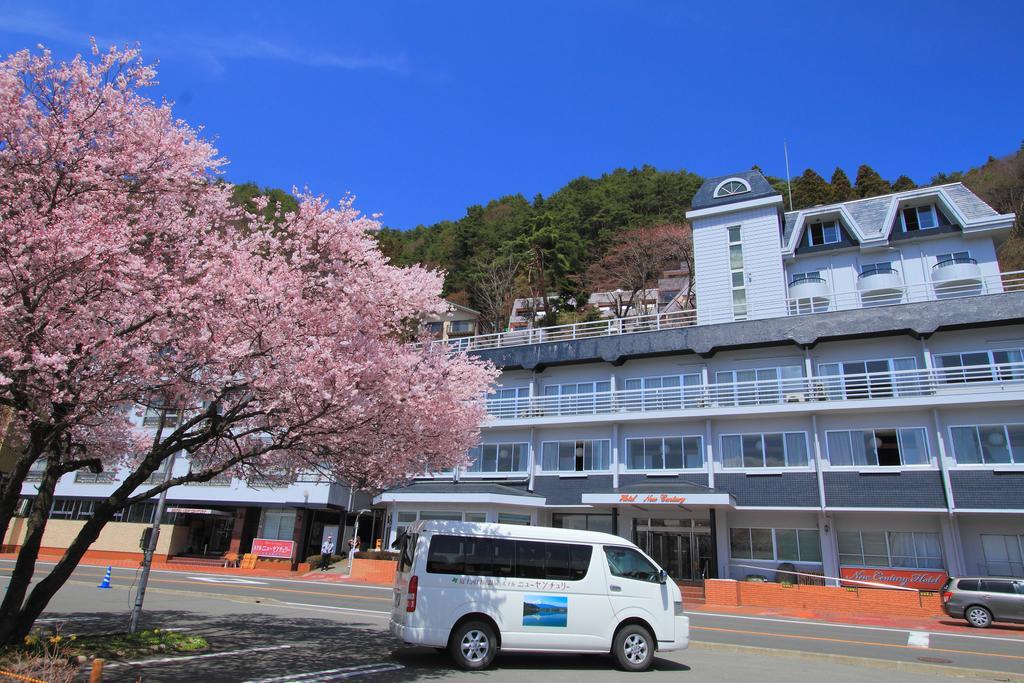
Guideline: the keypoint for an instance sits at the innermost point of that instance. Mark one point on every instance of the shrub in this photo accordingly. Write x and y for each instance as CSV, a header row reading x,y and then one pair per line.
x,y
314,560
377,555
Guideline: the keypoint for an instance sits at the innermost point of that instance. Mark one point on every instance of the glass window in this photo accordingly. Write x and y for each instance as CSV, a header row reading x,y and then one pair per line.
x,y
877,447
890,549
660,453
627,563
739,543
278,525
582,522
514,518
576,456
786,545
479,517
988,444
825,232
510,457
919,218
787,449
441,516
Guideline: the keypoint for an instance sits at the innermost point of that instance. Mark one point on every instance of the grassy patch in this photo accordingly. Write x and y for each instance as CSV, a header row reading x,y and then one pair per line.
x,y
133,645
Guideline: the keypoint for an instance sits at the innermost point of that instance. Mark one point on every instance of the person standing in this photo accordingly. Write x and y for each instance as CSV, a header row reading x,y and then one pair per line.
x,y
326,550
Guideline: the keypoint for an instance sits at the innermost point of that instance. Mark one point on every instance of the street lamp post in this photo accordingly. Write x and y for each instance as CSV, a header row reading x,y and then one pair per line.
x,y
147,556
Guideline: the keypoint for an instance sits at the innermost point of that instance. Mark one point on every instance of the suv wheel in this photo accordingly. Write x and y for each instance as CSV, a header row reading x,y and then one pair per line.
x,y
473,645
978,617
633,648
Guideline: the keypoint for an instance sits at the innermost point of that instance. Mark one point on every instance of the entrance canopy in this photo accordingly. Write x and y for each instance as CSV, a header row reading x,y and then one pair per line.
x,y
686,494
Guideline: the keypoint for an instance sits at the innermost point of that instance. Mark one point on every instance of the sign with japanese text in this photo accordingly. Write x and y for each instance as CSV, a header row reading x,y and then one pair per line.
x,y
265,547
921,579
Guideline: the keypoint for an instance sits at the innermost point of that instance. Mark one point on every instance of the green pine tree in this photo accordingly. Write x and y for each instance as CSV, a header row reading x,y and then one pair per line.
x,y
842,190
810,189
869,183
902,184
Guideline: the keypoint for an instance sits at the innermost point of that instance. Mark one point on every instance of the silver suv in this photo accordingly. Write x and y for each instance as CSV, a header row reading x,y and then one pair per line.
x,y
983,600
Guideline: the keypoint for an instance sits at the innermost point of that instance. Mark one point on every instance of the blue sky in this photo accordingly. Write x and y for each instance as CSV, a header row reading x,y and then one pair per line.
x,y
423,108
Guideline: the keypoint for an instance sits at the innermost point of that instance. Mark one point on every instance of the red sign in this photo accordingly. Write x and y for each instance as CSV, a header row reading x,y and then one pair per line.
x,y
922,579
264,547
651,498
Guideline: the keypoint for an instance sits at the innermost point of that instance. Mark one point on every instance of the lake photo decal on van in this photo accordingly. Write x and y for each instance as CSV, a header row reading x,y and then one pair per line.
x,y
545,610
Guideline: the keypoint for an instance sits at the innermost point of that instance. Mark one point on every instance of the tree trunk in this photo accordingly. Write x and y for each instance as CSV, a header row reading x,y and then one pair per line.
x,y
21,577
12,489
44,591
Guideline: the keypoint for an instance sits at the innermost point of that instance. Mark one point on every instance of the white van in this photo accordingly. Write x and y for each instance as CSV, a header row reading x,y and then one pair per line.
x,y
474,589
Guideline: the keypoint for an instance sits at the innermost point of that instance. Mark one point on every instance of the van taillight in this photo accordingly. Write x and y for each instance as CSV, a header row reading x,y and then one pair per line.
x,y
410,598
947,596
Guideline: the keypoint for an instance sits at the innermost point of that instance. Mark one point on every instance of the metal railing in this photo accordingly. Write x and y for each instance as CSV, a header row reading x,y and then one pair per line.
x,y
791,306
881,270
800,279
817,388
82,477
955,260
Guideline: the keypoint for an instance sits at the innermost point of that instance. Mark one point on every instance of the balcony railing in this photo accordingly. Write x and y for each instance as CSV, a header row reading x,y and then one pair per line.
x,y
844,300
818,388
955,260
82,477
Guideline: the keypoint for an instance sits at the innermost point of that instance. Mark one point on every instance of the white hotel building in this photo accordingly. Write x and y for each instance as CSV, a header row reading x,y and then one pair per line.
x,y
847,395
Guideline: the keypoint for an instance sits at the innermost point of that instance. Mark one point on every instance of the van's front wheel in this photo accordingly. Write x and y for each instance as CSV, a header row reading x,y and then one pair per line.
x,y
633,648
473,646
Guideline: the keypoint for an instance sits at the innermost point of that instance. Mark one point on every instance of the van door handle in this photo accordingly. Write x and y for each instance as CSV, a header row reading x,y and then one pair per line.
x,y
615,589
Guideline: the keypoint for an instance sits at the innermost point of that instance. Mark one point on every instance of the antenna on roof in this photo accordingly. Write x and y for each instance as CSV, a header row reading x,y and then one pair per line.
x,y
789,183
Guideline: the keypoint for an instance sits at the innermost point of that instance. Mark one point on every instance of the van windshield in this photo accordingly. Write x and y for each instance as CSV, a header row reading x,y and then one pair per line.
x,y
629,564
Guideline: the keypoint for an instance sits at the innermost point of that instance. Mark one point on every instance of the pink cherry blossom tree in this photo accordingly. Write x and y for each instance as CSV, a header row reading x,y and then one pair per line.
x,y
128,281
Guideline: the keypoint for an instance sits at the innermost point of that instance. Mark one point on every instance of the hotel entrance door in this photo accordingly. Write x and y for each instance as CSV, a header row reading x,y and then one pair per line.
x,y
681,546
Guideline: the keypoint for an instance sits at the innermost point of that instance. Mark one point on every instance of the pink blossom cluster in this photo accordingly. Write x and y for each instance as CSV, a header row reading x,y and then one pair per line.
x,y
128,278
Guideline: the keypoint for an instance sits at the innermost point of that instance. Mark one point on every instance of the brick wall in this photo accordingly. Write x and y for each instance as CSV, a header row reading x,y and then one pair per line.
x,y
374,571
874,601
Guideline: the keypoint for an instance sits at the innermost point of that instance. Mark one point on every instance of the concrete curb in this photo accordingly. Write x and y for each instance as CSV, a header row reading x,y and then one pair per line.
x,y
884,664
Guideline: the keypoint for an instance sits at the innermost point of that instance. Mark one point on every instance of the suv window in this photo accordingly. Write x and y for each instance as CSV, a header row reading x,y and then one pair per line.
x,y
630,564
967,585
998,586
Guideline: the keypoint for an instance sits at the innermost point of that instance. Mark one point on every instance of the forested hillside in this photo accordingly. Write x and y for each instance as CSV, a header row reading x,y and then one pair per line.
x,y
514,246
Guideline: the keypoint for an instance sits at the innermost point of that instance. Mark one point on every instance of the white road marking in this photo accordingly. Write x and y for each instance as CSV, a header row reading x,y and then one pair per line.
x,y
327,675
853,626
228,579
331,607
169,660
918,639
183,570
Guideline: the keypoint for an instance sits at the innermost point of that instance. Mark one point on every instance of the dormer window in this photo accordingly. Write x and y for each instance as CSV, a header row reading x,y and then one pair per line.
x,y
919,218
731,187
825,232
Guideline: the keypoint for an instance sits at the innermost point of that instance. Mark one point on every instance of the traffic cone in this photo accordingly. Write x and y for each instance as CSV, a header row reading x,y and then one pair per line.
x,y
106,580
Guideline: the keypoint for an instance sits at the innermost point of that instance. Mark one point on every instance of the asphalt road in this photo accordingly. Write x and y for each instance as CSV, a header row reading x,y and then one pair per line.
x,y
273,631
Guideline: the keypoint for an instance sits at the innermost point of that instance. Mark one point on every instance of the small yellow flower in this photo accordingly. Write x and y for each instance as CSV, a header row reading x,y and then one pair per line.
x,y
74,638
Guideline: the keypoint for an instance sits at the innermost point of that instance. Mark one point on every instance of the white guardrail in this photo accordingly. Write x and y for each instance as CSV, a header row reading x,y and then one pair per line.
x,y
852,387
793,306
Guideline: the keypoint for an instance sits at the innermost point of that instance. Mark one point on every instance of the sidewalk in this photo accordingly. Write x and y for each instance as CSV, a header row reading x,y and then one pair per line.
x,y
932,624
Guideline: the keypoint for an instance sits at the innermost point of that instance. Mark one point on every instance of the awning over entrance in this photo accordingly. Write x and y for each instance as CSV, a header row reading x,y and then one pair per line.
x,y
670,493
461,492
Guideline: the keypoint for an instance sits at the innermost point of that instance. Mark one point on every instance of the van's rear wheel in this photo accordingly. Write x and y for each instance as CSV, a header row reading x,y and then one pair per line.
x,y
473,645
633,648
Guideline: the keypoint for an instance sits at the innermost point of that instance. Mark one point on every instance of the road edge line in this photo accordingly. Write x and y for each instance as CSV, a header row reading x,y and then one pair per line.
x,y
868,662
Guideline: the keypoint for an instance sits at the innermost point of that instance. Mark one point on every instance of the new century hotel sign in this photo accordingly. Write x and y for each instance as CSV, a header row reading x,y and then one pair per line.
x,y
658,498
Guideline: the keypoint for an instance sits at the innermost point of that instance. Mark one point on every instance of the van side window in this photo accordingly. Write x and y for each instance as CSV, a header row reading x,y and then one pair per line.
x,y
508,558
968,585
629,564
407,552
998,586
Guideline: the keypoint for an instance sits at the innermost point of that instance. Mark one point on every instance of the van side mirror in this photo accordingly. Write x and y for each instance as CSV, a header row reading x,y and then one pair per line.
x,y
662,576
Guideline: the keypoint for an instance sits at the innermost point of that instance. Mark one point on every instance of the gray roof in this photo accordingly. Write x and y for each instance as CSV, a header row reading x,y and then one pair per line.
x,y
505,489
870,213
759,187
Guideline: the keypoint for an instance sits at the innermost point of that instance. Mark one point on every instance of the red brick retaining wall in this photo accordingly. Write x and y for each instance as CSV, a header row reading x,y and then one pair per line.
x,y
875,601
374,571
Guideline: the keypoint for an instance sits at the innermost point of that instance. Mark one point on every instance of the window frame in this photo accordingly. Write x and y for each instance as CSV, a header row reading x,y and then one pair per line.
x,y
775,544
557,443
524,458
720,188
825,224
682,443
930,208
929,464
887,535
1014,462
764,453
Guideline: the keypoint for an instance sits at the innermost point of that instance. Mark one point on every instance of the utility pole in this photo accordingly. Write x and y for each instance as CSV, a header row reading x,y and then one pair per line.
x,y
147,556
789,183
